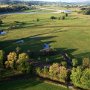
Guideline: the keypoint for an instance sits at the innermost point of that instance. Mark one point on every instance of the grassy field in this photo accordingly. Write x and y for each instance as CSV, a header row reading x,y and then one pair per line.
x,y
30,84
71,34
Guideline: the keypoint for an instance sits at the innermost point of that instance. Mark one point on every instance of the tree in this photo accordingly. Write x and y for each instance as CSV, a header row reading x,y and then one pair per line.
x,y
76,74
45,70
1,22
1,58
85,79
66,14
63,73
74,62
63,17
23,63
11,60
53,17
54,70
18,49
86,62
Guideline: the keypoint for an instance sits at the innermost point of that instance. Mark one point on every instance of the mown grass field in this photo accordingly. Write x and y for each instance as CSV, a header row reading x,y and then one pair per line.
x,y
71,34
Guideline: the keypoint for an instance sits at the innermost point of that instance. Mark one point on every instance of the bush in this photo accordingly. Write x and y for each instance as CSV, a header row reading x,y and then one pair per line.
x,y
64,63
80,77
38,70
66,15
86,62
86,11
38,20
1,22
63,17
74,62
53,17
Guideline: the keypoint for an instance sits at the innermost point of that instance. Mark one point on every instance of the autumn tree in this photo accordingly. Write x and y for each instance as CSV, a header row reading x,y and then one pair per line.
x,y
11,60
54,70
63,73
86,62
23,63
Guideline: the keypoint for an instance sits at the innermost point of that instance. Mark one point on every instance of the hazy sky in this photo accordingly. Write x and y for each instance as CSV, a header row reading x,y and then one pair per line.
x,y
60,0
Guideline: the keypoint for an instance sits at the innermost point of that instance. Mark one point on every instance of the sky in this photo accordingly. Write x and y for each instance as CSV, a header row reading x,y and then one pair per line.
x,y
60,0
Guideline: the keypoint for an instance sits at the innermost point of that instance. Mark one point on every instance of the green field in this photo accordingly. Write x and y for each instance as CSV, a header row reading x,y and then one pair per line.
x,y
71,35
29,84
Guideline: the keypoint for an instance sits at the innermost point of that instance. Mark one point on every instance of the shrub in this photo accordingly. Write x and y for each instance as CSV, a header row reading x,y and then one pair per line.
x,y
53,17
81,78
74,62
1,22
38,20
38,70
63,17
86,62
64,63
66,14
45,71
76,75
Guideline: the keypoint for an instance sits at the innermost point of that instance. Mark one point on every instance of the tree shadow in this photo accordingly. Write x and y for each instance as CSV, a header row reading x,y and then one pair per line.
x,y
19,84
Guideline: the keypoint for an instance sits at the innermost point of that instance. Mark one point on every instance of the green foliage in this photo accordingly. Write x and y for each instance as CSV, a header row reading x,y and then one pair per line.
x,y
53,17
18,50
76,75
23,63
74,62
63,17
86,11
45,70
54,70
85,79
63,73
86,62
64,63
81,78
1,22
38,19
1,58
66,14
24,67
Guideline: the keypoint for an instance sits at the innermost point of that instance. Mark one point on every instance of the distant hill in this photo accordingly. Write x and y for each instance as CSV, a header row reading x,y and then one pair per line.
x,y
33,2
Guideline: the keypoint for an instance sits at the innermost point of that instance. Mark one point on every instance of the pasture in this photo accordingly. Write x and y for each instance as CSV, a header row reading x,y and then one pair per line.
x,y
71,34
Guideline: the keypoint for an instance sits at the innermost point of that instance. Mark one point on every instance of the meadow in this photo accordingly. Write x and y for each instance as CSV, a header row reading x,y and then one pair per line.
x,y
71,34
